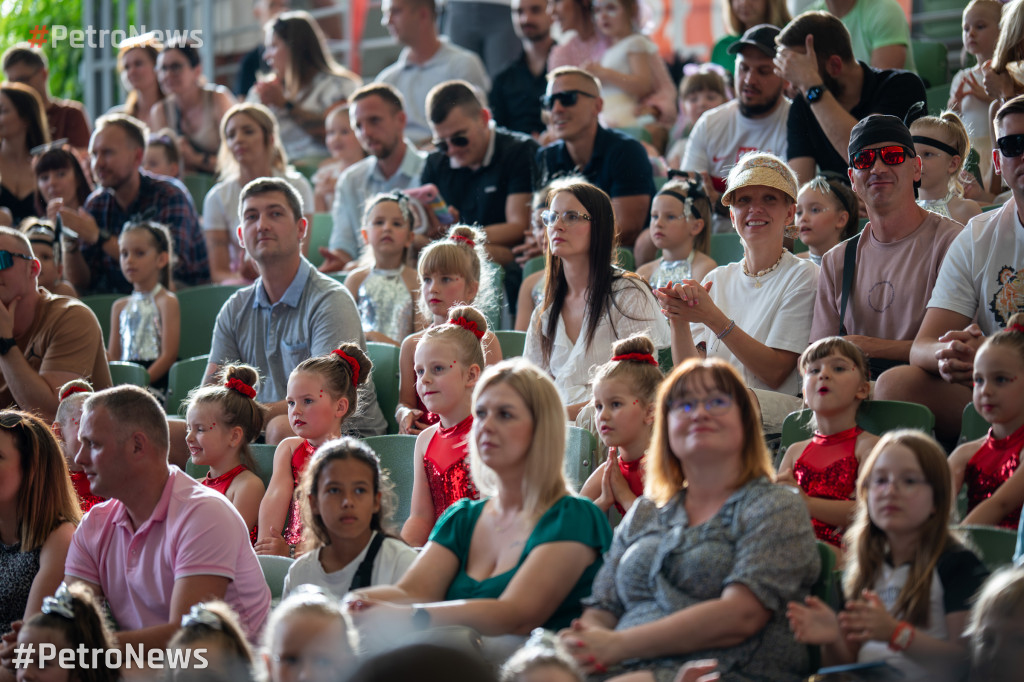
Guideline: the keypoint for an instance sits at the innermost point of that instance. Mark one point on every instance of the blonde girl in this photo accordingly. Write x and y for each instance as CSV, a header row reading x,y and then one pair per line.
x,y
221,419
990,466
308,630
347,499
448,362
71,396
384,288
898,546
824,467
345,150
681,228
827,212
625,389
215,640
453,271
322,393
943,145
145,327
997,627
625,67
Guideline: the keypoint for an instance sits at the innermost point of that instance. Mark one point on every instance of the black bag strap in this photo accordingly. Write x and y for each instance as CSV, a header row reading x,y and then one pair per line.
x,y
849,270
363,576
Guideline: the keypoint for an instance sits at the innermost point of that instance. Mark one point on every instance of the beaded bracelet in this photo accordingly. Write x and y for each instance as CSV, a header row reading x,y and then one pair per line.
x,y
725,332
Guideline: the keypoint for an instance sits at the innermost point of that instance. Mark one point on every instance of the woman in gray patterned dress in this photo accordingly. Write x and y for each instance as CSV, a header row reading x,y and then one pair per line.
x,y
703,565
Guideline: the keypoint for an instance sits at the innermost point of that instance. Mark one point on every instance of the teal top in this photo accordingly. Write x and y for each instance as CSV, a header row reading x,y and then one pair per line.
x,y
570,519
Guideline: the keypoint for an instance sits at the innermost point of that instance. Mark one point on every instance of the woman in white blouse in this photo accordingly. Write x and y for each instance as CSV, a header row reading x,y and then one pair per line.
x,y
588,302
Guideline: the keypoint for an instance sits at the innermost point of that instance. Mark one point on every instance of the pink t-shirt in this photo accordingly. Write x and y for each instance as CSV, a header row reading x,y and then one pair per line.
x,y
192,531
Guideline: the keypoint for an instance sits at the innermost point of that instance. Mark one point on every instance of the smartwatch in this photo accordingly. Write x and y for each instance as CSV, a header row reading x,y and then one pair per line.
x,y
6,344
103,236
814,93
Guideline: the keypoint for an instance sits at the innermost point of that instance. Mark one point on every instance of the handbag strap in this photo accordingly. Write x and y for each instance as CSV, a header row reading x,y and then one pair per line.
x,y
363,575
849,270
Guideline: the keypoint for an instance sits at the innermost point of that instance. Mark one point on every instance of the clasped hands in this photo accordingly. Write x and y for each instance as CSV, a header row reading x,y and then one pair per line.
x,y
956,358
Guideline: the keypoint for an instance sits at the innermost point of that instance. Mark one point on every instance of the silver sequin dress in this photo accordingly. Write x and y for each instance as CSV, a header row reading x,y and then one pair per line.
x,y
385,304
141,327
673,271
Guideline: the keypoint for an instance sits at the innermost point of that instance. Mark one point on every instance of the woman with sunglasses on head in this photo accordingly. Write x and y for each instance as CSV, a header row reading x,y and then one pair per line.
x,y
756,313
23,126
589,302
192,108
696,569
305,83
61,182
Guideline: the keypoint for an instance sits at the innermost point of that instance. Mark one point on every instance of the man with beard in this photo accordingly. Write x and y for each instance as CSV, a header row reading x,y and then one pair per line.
x,y
816,57
515,97
754,121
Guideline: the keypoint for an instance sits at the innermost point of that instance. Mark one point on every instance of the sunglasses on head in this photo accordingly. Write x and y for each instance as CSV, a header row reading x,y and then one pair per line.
x,y
7,258
1011,146
892,155
567,98
453,141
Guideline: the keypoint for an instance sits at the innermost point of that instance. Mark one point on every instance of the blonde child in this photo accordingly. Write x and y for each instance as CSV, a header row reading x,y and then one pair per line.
x,y
824,467
346,501
996,628
221,420
145,327
448,361
531,290
625,67
386,289
69,621
71,397
308,630
542,659
990,466
162,156
967,92
215,642
624,396
322,393
702,90
827,212
943,145
898,546
681,228
345,150
453,271
48,252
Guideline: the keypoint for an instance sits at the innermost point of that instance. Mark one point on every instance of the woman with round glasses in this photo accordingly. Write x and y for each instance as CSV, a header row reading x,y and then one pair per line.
x,y
703,565
589,302
756,313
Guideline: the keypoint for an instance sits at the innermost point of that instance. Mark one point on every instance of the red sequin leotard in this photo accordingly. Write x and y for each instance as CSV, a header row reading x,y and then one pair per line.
x,y
827,468
300,458
993,463
446,466
221,485
86,499
633,472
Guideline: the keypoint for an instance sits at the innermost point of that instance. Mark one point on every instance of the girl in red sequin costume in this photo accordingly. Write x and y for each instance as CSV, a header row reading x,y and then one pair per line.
x,y
991,465
322,393
448,361
65,427
825,466
453,271
624,392
221,420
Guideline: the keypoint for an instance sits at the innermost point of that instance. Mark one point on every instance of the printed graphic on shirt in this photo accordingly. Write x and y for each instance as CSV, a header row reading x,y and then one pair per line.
x,y
1009,296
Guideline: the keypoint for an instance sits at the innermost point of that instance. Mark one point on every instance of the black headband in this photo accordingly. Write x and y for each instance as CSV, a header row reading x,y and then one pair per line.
x,y
683,199
938,144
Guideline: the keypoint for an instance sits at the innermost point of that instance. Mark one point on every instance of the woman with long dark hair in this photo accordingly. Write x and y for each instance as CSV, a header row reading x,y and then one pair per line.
x,y
22,127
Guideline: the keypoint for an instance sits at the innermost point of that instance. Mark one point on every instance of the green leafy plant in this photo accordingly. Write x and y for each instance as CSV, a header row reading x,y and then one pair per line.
x,y
19,17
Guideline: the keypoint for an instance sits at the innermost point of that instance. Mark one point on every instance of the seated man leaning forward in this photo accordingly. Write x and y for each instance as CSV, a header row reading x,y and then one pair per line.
x,y
290,313
162,542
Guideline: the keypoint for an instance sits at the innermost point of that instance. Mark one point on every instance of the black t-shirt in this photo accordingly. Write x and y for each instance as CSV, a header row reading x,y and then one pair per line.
x,y
480,194
618,164
888,91
515,98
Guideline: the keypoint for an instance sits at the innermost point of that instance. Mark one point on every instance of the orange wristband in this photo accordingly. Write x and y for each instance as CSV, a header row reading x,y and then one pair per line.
x,y
902,636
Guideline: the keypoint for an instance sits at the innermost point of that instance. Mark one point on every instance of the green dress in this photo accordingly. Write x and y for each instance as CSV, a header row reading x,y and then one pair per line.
x,y
570,519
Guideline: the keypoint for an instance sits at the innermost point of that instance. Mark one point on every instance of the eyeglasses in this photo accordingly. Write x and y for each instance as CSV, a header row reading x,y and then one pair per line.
x,y
1011,146
900,482
7,258
453,141
550,218
567,98
893,155
717,404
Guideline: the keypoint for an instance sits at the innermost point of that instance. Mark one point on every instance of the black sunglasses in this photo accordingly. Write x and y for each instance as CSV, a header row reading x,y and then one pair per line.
x,y
892,155
1011,146
567,98
453,141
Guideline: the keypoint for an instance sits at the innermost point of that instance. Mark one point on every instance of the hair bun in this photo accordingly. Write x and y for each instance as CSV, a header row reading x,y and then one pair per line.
x,y
638,343
358,363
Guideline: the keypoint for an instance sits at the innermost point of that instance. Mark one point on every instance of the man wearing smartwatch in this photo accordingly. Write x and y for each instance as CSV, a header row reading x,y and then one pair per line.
x,y
127,193
834,92
45,340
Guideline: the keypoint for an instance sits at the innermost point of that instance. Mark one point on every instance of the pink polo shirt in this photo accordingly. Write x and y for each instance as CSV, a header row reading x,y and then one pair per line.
x,y
193,531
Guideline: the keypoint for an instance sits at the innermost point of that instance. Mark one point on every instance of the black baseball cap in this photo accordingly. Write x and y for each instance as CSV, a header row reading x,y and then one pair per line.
x,y
761,36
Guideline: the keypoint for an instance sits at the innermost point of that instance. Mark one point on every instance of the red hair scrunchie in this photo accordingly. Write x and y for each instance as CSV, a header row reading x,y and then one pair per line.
x,y
352,363
70,391
463,238
1017,327
240,386
636,357
468,325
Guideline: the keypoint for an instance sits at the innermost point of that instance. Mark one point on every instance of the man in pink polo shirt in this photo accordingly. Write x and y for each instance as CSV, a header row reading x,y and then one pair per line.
x,y
162,542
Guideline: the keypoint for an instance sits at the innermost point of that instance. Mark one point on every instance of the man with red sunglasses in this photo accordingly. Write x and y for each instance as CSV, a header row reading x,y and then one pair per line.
x,y
981,279
894,262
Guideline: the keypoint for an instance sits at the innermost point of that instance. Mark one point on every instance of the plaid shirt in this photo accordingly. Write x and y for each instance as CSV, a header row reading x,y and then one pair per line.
x,y
160,199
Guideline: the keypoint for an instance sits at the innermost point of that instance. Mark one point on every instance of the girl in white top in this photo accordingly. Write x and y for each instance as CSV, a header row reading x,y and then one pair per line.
x,y
625,68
